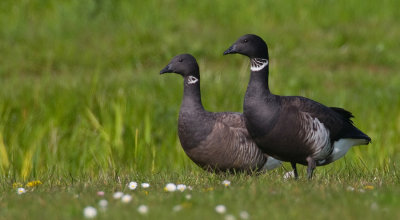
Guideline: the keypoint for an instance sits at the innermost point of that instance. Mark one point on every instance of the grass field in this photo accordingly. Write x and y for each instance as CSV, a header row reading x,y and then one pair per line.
x,y
83,108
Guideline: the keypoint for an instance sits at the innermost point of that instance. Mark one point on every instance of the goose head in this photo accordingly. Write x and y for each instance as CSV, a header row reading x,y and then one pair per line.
x,y
249,45
184,65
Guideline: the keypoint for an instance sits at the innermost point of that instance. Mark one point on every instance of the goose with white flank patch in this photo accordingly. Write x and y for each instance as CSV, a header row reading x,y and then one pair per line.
x,y
292,128
214,141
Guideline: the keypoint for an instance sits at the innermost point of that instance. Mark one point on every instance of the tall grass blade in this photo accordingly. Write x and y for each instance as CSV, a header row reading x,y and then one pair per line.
x,y
96,124
5,163
27,163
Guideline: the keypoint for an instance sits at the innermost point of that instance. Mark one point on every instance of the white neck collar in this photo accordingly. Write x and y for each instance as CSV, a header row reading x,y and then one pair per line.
x,y
192,80
257,64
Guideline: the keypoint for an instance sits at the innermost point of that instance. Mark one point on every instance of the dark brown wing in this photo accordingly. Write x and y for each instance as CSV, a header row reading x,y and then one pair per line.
x,y
228,146
336,120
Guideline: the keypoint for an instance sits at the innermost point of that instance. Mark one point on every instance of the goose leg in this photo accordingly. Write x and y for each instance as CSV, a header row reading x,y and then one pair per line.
x,y
296,176
310,168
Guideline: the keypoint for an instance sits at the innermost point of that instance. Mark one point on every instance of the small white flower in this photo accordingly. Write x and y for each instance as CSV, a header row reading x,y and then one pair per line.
x,y
90,212
103,203
374,206
126,198
288,175
132,185
100,193
181,187
244,215
170,187
177,208
226,183
143,209
221,209
145,185
230,217
118,195
361,191
350,188
21,191
190,188
188,196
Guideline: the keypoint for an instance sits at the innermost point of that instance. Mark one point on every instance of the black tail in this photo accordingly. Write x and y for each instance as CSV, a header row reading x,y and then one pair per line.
x,y
355,133
351,131
344,113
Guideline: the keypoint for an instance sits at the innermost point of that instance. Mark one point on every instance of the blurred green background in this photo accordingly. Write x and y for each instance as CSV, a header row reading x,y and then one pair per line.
x,y
84,109
81,94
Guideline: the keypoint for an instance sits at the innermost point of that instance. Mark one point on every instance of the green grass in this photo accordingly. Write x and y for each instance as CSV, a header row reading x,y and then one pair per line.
x,y
83,108
265,196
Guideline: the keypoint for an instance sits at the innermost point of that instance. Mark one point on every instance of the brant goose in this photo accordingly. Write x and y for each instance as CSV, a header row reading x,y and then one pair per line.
x,y
292,128
214,141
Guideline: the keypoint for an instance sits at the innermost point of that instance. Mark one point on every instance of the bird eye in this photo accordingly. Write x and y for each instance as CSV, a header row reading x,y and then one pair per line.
x,y
180,60
245,40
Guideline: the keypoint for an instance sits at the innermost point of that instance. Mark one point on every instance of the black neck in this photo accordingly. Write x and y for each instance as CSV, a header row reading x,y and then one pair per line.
x,y
191,95
258,85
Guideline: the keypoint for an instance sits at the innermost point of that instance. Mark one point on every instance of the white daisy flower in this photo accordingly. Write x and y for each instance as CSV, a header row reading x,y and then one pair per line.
x,y
143,209
181,187
90,212
170,187
221,209
126,198
288,175
230,217
177,208
374,206
244,215
21,191
226,183
350,188
188,196
145,185
118,195
103,203
132,185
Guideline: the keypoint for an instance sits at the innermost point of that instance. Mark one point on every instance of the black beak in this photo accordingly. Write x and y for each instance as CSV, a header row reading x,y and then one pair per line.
x,y
166,69
231,50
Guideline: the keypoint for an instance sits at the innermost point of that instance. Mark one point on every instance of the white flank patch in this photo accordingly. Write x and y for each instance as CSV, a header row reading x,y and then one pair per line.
x,y
192,79
271,164
341,147
316,135
257,64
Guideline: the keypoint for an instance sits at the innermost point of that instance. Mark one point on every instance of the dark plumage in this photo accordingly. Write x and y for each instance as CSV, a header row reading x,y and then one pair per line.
x,y
292,128
214,141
